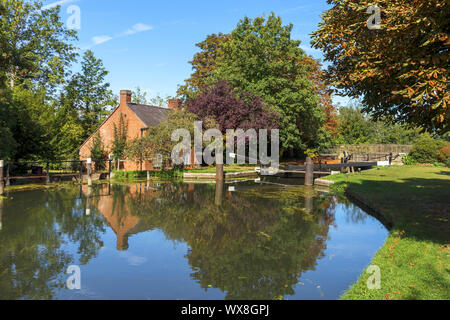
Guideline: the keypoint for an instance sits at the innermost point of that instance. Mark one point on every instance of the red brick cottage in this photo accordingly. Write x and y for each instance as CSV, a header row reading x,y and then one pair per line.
x,y
138,117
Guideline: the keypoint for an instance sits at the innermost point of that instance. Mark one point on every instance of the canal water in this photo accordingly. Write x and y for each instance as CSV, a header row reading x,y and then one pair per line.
x,y
247,240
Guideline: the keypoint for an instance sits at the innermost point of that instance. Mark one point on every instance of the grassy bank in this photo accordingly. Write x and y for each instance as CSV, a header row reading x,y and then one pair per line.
x,y
226,169
415,201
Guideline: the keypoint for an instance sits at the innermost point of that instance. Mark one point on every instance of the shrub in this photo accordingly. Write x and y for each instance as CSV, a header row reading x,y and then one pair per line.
x,y
444,153
426,149
409,161
447,163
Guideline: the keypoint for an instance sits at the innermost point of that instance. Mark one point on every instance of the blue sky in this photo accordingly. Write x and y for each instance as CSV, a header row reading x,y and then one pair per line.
x,y
148,43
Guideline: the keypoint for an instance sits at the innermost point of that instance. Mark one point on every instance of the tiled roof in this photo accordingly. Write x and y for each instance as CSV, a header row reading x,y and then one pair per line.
x,y
150,115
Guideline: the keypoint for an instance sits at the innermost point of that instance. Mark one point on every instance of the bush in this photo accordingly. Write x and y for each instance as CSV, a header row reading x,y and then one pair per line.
x,y
164,174
444,153
409,161
447,163
426,149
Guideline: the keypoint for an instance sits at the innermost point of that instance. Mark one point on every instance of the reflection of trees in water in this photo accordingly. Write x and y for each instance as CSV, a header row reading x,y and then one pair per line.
x,y
254,245
32,261
353,213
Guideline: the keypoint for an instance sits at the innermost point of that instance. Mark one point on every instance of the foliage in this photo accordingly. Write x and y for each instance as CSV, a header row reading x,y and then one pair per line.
x,y
163,174
444,153
120,138
229,111
447,162
203,64
312,153
89,93
158,139
98,153
39,43
426,149
140,97
263,59
356,127
409,161
401,70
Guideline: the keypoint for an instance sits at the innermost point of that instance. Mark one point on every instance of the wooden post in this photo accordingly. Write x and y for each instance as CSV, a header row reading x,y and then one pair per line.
x,y
109,169
81,172
89,171
8,182
47,179
219,193
309,175
219,172
1,213
88,201
148,175
2,164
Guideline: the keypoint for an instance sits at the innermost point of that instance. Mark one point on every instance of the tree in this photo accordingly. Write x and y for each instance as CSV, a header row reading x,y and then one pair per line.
x,y
221,103
98,153
158,139
401,70
263,60
39,43
203,64
35,52
356,127
120,139
89,93
140,97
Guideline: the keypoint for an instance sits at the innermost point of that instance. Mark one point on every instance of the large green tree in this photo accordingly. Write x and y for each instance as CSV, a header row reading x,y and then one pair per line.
x,y
35,53
400,70
88,92
39,42
263,59
203,64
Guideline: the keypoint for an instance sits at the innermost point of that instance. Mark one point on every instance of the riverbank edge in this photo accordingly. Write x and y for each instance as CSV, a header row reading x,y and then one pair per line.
x,y
355,291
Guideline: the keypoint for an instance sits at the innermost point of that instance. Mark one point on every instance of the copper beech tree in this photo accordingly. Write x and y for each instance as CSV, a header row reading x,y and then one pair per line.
x,y
400,70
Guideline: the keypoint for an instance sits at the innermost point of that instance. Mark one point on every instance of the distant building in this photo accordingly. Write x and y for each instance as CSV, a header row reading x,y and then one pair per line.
x,y
138,117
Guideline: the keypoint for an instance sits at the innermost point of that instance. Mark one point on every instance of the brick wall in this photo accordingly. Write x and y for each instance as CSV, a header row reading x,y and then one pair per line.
x,y
107,129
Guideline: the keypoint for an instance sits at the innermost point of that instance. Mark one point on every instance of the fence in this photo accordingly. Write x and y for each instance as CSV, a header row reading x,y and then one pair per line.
x,y
370,149
23,172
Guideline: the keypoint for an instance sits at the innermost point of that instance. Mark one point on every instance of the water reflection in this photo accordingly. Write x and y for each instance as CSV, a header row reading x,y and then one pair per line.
x,y
254,243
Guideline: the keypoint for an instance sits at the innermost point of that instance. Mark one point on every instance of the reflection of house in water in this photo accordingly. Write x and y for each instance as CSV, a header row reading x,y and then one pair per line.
x,y
116,213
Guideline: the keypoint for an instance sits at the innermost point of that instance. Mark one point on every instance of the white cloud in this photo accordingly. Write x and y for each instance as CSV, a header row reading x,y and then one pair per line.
x,y
101,39
133,260
139,27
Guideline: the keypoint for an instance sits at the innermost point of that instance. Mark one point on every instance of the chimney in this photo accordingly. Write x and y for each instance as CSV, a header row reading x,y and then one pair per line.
x,y
125,97
175,104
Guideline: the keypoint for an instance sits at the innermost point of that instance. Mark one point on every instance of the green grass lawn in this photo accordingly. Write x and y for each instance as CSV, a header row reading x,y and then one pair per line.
x,y
415,201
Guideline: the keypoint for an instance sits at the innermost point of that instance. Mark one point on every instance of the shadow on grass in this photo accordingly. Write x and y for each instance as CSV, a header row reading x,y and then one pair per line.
x,y
418,206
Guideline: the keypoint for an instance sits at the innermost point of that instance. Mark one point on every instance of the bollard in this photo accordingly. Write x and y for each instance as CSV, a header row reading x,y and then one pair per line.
x,y
89,171
309,175
2,164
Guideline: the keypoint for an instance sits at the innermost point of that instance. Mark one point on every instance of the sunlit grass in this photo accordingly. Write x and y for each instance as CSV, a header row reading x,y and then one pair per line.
x,y
414,261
